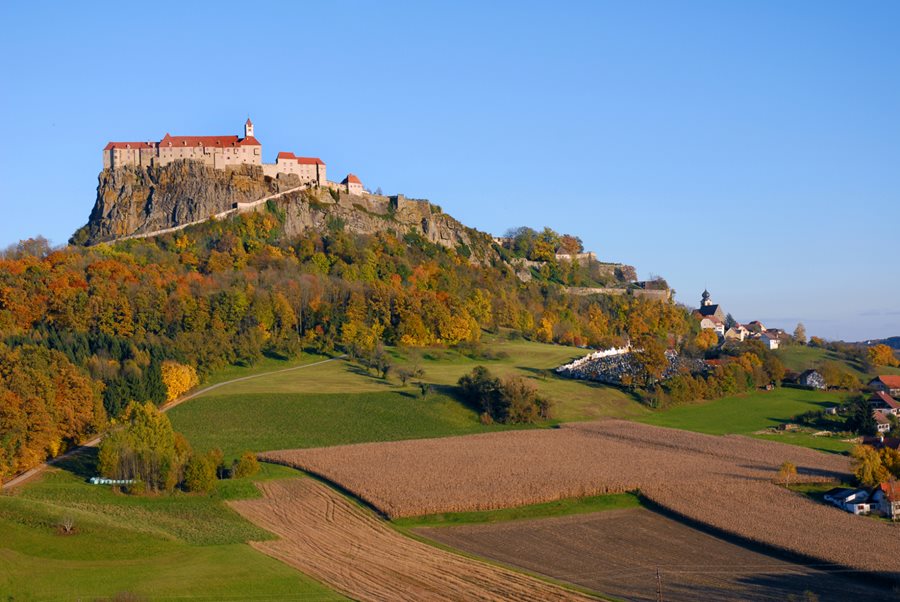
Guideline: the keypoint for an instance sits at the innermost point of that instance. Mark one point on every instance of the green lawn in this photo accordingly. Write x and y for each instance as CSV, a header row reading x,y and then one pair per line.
x,y
800,357
747,414
564,507
163,547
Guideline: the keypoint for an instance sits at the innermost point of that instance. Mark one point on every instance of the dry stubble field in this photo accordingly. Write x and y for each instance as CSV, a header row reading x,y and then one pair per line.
x,y
617,552
723,482
328,537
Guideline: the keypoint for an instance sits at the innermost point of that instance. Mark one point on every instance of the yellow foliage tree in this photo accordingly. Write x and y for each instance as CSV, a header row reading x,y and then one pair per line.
x,y
882,355
178,379
707,338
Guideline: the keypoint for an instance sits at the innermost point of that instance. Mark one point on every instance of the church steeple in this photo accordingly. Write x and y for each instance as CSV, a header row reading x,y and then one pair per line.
x,y
248,129
705,299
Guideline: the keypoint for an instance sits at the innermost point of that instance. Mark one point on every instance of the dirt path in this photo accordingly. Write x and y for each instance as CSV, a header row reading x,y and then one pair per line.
x,y
30,474
326,536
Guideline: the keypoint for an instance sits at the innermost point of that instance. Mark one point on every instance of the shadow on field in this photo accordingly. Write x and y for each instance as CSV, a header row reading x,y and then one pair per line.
x,y
83,463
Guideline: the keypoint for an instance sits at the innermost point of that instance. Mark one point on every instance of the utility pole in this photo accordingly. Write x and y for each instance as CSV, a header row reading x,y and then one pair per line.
x,y
658,586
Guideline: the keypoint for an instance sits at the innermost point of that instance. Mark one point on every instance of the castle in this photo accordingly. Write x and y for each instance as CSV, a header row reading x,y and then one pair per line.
x,y
222,152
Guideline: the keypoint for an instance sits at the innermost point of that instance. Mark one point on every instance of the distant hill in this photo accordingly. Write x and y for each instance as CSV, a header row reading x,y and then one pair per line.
x,y
892,342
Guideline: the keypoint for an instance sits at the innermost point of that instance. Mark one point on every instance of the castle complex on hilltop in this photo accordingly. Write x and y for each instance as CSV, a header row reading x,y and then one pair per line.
x,y
221,152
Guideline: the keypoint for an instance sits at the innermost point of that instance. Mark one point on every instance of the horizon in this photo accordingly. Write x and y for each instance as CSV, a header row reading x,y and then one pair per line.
x,y
748,150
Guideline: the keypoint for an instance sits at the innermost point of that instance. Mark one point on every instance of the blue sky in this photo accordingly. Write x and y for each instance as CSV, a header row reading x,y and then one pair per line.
x,y
749,147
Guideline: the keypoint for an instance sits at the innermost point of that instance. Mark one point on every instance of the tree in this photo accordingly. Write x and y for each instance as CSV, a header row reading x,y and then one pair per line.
x,y
860,419
882,355
730,322
245,466
199,474
707,339
178,379
651,358
786,472
867,466
142,450
800,334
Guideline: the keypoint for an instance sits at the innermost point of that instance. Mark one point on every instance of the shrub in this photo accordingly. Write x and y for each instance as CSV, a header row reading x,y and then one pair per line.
x,y
199,475
245,466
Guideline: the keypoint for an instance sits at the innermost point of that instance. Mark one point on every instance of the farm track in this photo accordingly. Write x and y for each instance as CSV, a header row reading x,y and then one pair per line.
x,y
328,537
723,483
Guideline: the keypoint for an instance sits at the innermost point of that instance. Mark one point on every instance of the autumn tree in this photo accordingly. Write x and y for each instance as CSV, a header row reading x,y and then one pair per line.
x,y
867,466
882,355
706,339
245,466
786,472
178,379
800,334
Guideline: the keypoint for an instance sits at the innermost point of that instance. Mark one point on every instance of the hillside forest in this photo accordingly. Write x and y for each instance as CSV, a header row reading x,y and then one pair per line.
x,y
86,331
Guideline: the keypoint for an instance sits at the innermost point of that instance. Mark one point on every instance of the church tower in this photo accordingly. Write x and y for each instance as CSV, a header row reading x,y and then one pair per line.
x,y
705,299
248,129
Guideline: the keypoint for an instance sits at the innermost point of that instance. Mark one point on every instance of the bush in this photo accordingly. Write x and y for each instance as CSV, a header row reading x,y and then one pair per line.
x,y
199,475
245,466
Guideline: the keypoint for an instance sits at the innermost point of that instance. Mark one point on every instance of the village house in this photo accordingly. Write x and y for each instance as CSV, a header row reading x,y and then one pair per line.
x,y
219,152
756,327
881,422
887,498
888,383
811,379
884,403
770,340
738,332
855,501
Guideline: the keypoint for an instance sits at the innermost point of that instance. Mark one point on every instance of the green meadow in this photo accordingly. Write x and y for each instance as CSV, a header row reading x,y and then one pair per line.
x,y
753,412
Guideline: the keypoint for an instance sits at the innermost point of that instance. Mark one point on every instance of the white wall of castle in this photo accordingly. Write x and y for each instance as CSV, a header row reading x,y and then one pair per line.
x,y
308,173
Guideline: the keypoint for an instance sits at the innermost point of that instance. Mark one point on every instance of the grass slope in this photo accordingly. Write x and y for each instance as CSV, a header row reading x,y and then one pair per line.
x,y
747,414
339,402
164,547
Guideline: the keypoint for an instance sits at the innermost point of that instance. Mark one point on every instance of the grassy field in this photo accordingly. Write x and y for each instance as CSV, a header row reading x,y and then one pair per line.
x,y
163,547
566,507
799,358
339,402
748,414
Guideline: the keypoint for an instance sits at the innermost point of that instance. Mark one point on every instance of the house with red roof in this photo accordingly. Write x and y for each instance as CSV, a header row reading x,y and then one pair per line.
x,y
887,496
889,383
884,403
311,170
353,185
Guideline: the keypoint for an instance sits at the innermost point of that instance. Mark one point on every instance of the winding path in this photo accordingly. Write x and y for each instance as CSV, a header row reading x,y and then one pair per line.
x,y
29,474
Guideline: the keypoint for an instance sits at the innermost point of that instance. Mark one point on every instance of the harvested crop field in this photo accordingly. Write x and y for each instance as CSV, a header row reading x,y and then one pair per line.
x,y
617,553
722,482
331,539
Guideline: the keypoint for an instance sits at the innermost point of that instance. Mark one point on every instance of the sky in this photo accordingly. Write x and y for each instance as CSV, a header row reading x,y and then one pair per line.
x,y
752,148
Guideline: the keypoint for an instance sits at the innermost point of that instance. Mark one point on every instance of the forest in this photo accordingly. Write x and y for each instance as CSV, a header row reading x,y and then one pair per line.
x,y
86,331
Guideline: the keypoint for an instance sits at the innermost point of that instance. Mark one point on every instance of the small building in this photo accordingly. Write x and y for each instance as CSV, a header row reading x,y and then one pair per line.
x,y
888,383
756,327
887,500
709,309
884,403
831,411
855,501
713,323
352,185
771,341
811,379
881,421
738,332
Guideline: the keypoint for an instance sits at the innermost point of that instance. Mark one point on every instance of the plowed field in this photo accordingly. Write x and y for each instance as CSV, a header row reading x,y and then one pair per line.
x,y
618,552
329,538
723,482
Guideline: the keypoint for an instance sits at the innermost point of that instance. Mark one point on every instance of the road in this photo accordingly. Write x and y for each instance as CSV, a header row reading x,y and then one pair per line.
x,y
30,474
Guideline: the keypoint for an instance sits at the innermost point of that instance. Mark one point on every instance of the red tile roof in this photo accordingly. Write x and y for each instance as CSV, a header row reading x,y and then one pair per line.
x,y
351,179
286,156
891,490
209,141
881,396
891,381
113,145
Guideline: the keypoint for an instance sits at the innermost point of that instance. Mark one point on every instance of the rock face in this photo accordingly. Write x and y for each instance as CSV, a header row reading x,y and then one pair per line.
x,y
145,200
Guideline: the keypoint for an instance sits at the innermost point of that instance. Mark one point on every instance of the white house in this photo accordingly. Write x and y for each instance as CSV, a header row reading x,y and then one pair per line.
x,y
855,501
769,340
887,499
881,421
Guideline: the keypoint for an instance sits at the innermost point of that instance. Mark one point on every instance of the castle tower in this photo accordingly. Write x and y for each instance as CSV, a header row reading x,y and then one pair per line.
x,y
705,299
248,129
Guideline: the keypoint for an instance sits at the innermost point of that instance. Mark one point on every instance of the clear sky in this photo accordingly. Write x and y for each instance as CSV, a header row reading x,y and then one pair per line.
x,y
749,147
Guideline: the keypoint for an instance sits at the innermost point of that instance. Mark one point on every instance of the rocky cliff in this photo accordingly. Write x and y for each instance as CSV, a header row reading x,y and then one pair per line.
x,y
141,201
